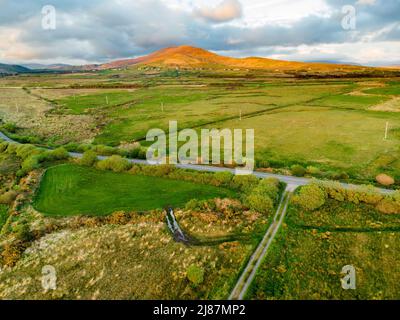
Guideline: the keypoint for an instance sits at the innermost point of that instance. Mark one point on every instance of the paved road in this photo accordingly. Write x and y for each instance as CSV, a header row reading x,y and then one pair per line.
x,y
292,182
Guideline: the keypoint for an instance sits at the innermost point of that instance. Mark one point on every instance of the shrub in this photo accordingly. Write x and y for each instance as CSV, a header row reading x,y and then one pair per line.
x,y
385,180
115,163
388,206
3,146
89,158
310,197
193,205
23,232
105,150
29,164
260,203
57,154
12,253
8,197
118,218
298,170
268,187
195,274
25,150
244,183
313,170
10,127
223,178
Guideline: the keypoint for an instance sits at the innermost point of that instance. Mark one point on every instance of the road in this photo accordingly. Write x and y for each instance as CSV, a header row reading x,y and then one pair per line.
x,y
292,182
250,271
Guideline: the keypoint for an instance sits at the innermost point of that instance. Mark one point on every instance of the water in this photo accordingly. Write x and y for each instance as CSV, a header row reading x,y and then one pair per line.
x,y
174,227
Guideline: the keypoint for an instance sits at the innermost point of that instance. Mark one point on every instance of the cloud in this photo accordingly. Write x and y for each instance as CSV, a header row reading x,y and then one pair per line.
x,y
103,30
366,2
227,10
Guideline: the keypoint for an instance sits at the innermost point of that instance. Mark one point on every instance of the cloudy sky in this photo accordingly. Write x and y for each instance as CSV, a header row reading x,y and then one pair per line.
x,y
95,31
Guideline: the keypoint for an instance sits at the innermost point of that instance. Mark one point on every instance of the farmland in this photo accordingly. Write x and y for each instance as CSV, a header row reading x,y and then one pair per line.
x,y
335,125
105,232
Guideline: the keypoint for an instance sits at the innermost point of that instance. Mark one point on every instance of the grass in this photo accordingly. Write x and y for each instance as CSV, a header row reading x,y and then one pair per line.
x,y
72,190
81,103
132,262
336,125
306,260
3,215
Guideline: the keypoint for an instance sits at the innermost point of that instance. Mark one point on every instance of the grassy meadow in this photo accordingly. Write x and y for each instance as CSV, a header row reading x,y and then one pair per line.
x,y
73,190
337,125
307,257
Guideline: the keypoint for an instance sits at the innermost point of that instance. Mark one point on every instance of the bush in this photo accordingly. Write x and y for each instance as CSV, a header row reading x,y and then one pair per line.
x,y
385,180
244,183
195,274
268,187
260,203
12,253
388,206
313,170
25,150
3,146
115,163
29,164
310,197
10,127
57,154
8,197
89,158
23,232
194,205
298,170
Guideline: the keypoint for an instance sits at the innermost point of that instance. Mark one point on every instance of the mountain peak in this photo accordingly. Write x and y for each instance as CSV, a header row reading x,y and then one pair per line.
x,y
189,57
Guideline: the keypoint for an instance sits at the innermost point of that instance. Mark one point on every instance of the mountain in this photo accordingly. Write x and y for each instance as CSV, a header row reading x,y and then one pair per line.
x,y
38,66
12,69
187,57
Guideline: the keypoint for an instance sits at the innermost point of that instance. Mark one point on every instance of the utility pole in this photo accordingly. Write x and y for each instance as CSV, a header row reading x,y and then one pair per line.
x,y
386,130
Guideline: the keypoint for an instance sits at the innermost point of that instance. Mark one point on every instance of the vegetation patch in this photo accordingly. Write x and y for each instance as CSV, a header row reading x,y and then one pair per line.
x,y
70,190
306,258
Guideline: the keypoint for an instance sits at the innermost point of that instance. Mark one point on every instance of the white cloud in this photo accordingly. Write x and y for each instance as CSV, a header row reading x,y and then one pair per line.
x,y
366,2
227,10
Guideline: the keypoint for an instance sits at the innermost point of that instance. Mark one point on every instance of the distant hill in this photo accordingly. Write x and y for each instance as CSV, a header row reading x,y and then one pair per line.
x,y
38,66
12,69
187,57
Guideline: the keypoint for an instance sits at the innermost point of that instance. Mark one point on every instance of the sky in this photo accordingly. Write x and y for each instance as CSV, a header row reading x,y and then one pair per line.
x,y
95,31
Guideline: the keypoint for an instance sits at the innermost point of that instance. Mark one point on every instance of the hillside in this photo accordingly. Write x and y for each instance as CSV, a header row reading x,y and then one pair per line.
x,y
187,57
12,69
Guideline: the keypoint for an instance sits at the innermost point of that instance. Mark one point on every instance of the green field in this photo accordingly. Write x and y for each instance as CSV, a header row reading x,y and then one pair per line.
x,y
81,103
73,190
337,125
307,257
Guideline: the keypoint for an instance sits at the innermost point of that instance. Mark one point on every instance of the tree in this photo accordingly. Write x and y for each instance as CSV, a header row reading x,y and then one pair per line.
x,y
310,197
